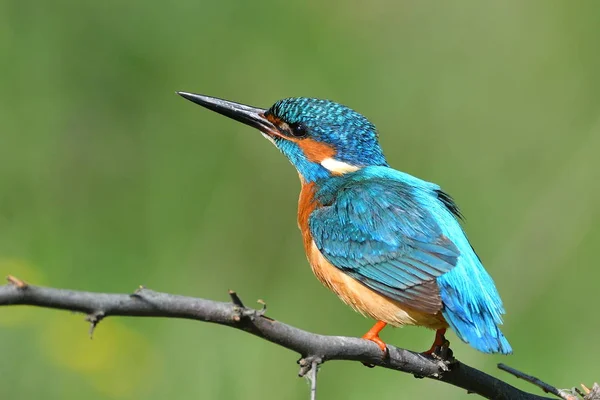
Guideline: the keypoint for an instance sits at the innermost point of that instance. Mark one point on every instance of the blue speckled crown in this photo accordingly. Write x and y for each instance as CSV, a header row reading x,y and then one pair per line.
x,y
352,135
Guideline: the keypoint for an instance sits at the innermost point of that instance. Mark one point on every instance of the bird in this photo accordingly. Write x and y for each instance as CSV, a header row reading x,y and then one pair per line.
x,y
388,244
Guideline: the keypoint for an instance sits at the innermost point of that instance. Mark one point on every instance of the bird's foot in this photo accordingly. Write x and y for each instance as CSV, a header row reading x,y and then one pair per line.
x,y
440,350
377,340
373,335
443,356
438,342
443,353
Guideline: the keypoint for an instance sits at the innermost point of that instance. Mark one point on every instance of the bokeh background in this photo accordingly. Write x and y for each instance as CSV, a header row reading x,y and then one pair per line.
x,y
109,180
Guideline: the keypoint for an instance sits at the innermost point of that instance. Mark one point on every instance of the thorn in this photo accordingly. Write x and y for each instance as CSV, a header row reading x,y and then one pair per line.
x,y
307,363
235,299
94,319
138,291
586,389
16,281
238,306
263,309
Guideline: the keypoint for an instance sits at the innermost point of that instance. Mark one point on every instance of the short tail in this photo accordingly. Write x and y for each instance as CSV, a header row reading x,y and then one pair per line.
x,y
482,332
471,304
473,309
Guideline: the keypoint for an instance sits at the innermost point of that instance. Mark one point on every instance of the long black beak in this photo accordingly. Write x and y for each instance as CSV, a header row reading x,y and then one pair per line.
x,y
255,117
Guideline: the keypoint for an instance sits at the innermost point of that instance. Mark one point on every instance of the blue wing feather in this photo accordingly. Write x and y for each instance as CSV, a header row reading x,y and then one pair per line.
x,y
376,231
401,237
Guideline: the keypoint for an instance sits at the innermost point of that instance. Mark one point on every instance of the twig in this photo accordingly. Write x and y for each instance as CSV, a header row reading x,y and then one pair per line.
x,y
313,379
314,348
563,394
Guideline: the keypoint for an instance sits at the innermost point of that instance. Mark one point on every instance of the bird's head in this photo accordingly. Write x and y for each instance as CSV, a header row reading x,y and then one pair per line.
x,y
321,138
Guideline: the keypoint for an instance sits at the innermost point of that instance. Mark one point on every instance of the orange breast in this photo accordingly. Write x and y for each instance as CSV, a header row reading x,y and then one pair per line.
x,y
306,205
358,296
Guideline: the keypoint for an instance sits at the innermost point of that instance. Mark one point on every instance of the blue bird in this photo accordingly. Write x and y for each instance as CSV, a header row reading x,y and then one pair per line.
x,y
390,245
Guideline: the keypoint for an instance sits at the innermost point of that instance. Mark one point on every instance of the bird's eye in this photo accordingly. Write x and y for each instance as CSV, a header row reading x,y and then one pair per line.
x,y
298,130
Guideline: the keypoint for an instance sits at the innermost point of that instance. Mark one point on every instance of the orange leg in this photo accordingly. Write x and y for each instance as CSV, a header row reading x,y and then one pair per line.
x,y
373,335
440,340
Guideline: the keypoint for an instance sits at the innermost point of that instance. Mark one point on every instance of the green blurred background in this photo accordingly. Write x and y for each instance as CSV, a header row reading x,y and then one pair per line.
x,y
109,180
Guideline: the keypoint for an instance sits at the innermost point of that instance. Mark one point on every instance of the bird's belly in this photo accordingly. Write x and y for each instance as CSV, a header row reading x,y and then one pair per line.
x,y
365,300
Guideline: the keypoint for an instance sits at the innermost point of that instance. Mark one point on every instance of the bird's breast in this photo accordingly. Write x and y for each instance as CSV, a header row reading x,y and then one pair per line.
x,y
358,296
306,205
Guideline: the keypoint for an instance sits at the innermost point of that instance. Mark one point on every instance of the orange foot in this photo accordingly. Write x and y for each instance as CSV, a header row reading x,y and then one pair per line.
x,y
373,335
440,340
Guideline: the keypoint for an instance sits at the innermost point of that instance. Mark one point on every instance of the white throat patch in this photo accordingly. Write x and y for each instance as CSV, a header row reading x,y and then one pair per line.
x,y
338,167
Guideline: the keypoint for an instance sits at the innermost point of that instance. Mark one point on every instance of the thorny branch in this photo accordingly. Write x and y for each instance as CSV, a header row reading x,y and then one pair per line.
x,y
314,349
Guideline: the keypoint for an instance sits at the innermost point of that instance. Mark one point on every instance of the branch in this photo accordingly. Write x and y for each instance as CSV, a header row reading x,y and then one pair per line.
x,y
565,394
315,349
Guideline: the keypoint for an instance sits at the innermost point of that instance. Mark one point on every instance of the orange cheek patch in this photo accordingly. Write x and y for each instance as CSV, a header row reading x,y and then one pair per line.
x,y
316,151
313,150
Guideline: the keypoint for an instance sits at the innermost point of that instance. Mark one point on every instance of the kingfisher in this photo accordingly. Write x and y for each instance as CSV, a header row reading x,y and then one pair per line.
x,y
388,244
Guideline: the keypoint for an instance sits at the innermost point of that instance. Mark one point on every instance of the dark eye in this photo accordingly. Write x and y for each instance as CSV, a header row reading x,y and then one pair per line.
x,y
298,129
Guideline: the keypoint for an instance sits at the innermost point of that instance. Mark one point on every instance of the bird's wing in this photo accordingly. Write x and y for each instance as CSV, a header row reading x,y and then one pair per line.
x,y
380,232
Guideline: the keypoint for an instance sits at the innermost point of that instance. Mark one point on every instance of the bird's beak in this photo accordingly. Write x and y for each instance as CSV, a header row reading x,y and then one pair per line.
x,y
255,117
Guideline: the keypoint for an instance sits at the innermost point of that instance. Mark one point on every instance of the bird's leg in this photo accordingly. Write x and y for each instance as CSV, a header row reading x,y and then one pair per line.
x,y
439,342
373,335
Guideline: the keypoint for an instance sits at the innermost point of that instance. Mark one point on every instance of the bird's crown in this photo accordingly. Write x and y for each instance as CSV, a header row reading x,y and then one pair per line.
x,y
352,138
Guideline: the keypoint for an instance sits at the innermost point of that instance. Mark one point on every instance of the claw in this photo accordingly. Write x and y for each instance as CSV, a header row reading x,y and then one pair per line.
x,y
441,351
439,342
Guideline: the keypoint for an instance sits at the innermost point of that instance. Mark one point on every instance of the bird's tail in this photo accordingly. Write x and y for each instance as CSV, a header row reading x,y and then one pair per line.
x,y
480,331
473,308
